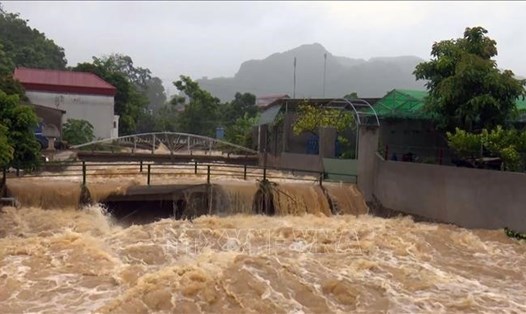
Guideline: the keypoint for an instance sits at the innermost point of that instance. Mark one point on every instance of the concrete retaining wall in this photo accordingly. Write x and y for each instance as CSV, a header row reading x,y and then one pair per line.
x,y
294,161
471,198
345,170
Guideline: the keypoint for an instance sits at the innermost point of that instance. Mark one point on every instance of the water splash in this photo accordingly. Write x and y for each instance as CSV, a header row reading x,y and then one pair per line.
x,y
79,261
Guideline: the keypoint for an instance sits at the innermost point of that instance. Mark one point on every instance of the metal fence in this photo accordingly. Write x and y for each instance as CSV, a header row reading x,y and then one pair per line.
x,y
155,172
447,156
421,154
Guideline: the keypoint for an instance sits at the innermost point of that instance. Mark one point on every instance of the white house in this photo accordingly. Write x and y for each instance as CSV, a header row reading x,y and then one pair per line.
x,y
81,95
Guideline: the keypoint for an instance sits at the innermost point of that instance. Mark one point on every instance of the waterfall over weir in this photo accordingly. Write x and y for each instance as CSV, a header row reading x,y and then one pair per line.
x,y
140,203
310,253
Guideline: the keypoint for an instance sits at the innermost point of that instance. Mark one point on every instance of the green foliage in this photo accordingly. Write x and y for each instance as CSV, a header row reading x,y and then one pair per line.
x,y
311,118
514,234
77,131
506,144
239,132
238,117
351,96
201,115
161,119
10,86
464,143
499,142
6,64
20,122
243,104
6,150
466,88
155,93
123,64
26,46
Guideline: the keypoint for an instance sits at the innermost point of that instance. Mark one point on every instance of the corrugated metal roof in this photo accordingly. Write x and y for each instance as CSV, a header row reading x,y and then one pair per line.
x,y
268,116
264,101
68,81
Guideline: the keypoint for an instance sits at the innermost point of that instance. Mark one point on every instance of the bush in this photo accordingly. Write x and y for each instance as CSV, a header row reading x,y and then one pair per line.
x,y
503,143
76,132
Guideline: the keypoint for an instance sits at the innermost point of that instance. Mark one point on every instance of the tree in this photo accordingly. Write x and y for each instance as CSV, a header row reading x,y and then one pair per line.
x,y
77,131
242,104
6,64
155,93
466,89
201,113
6,150
499,142
11,86
26,46
239,132
162,119
20,122
311,118
123,64
351,96
165,119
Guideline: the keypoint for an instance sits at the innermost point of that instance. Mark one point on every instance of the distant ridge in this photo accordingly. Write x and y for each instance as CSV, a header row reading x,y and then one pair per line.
x,y
274,75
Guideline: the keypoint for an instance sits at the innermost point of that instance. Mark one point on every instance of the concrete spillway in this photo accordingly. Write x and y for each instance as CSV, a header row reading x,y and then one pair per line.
x,y
137,203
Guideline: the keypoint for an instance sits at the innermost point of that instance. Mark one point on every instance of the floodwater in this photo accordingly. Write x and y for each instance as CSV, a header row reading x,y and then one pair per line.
x,y
304,260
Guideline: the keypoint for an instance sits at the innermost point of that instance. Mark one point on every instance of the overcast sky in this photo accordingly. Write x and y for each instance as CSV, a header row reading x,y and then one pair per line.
x,y
213,38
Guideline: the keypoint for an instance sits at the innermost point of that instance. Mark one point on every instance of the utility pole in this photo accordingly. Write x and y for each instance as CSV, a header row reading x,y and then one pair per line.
x,y
285,126
294,90
324,71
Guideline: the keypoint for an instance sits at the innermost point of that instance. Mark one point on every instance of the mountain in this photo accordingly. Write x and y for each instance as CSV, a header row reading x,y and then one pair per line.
x,y
274,75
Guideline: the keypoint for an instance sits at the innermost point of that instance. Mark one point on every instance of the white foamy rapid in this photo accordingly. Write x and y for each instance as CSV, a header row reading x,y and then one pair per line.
x,y
79,261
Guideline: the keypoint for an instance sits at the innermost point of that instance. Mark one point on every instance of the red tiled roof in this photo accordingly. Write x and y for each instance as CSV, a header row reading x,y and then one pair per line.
x,y
63,81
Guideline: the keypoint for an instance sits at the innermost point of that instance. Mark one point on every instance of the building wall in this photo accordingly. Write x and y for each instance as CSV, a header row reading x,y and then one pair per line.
x,y
294,161
96,109
471,198
115,131
367,147
298,144
419,137
51,120
345,170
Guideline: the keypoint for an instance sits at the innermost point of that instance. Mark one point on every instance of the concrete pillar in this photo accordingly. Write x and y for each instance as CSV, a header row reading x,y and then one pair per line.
x,y
262,136
367,147
327,142
262,144
51,143
287,131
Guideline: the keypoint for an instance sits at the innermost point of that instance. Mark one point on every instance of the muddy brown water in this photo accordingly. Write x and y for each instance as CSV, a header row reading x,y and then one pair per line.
x,y
303,260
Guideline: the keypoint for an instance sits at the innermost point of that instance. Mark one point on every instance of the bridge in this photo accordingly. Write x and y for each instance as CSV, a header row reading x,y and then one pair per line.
x,y
165,147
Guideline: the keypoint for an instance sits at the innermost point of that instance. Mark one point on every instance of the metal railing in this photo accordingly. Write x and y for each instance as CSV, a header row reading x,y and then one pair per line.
x,y
155,170
447,156
420,154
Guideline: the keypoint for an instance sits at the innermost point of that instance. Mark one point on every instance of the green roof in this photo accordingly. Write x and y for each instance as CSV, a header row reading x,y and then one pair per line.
x,y
416,94
402,103
409,104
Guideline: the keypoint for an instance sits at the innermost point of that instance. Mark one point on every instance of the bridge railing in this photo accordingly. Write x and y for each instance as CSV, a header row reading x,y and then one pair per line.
x,y
156,173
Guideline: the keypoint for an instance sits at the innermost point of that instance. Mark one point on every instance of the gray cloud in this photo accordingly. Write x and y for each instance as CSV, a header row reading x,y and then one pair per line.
x,y
213,38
